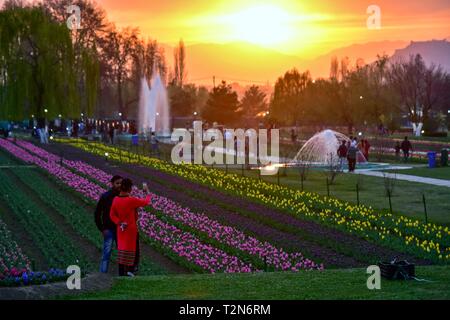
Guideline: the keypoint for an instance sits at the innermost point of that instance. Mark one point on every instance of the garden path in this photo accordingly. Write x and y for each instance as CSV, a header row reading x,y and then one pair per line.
x,y
406,177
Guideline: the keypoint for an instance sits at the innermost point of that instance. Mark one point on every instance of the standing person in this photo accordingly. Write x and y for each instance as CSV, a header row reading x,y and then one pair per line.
x,y
154,142
293,136
104,223
365,147
124,214
352,154
103,131
45,133
397,151
111,133
116,132
342,154
75,128
7,131
40,135
406,148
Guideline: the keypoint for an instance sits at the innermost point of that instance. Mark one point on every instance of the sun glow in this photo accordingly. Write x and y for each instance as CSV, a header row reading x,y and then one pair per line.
x,y
263,25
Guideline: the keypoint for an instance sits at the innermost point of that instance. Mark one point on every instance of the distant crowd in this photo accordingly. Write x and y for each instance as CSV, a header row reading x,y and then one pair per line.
x,y
358,152
353,152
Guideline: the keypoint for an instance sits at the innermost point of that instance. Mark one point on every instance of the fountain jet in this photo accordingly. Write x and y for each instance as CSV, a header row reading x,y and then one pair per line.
x,y
154,109
322,148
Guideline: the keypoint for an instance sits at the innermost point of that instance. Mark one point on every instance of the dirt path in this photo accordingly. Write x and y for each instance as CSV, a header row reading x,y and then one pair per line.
x,y
406,177
91,283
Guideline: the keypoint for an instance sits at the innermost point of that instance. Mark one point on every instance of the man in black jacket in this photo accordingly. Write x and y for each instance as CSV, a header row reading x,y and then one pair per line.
x,y
104,223
406,148
342,154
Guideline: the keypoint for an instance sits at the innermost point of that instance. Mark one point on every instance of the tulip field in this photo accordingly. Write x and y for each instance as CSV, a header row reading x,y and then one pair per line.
x,y
201,220
430,241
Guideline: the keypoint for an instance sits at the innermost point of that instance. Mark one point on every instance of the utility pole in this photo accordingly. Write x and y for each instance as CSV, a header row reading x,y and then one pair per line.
x,y
214,81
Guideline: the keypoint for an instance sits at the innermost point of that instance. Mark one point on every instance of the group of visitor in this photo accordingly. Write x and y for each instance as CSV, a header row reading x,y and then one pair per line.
x,y
116,218
353,151
6,132
43,134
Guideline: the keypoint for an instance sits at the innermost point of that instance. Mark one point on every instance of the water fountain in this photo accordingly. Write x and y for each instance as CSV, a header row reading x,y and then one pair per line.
x,y
154,109
322,148
146,115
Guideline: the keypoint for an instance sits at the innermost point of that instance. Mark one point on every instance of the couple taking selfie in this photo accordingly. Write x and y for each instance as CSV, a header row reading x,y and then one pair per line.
x,y
116,217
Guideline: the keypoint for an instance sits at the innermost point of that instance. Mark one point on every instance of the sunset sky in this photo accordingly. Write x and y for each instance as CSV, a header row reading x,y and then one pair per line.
x,y
302,28
224,37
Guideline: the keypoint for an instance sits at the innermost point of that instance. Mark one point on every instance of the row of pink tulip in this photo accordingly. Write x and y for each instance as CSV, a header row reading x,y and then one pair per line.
x,y
168,237
274,257
79,166
11,255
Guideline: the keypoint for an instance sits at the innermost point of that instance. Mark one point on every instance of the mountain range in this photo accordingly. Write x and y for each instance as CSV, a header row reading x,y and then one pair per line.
x,y
246,63
434,51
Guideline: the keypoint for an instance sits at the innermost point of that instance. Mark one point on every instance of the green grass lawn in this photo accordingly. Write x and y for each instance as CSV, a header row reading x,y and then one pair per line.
x,y
407,199
329,284
436,173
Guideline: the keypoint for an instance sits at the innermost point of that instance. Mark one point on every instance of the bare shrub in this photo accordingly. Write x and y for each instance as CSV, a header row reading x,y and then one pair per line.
x,y
390,181
333,169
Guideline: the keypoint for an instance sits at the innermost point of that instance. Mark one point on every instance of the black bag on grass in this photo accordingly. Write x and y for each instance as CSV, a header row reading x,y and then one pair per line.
x,y
397,270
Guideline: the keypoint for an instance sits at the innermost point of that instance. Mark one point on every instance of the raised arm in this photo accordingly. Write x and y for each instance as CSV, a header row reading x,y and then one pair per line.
x,y
139,203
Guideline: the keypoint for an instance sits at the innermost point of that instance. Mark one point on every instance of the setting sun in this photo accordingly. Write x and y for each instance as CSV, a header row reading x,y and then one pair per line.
x,y
263,25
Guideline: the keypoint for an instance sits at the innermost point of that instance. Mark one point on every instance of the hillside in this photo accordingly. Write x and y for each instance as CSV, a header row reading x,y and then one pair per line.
x,y
434,51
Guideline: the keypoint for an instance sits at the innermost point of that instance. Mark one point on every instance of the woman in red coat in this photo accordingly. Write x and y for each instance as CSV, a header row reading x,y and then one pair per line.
x,y
124,215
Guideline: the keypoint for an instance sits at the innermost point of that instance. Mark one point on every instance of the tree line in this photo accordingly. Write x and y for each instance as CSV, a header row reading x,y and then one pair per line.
x,y
48,70
380,93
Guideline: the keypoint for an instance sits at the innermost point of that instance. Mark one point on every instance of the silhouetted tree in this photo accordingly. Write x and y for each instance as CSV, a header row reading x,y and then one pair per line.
x,y
119,49
182,100
222,105
421,88
286,104
253,102
334,68
180,72
345,67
